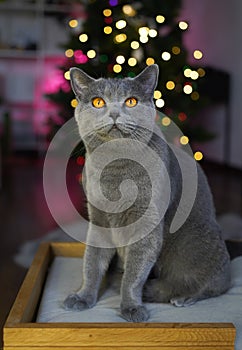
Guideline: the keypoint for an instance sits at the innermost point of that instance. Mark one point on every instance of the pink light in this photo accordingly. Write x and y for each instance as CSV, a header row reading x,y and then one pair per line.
x,y
80,57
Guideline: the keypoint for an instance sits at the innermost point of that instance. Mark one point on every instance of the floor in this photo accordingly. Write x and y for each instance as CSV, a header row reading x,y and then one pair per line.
x,y
24,214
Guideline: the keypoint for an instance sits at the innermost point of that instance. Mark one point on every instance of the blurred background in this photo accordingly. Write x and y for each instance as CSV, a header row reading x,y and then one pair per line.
x,y
197,47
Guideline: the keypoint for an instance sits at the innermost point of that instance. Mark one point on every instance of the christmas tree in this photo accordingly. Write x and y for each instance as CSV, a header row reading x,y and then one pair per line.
x,y
118,38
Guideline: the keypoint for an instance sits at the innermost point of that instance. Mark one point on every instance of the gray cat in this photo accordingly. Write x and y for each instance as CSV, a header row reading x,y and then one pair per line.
x,y
182,267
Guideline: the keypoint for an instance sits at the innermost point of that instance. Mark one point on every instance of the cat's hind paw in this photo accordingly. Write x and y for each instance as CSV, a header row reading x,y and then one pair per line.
x,y
183,302
135,314
75,302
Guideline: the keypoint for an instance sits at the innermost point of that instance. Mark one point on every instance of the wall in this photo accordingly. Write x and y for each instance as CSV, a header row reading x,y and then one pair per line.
x,y
215,29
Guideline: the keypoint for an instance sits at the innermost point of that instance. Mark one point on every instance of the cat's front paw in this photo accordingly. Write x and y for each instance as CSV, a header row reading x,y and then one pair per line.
x,y
135,314
75,302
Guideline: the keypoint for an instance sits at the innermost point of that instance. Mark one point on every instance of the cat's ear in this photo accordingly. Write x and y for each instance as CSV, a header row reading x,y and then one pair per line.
x,y
148,78
79,80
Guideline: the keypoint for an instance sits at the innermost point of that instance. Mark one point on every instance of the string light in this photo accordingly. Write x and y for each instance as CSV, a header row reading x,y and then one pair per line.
x,y
107,12
120,59
91,53
132,61
197,54
160,19
129,10
103,58
152,33
121,24
160,103
187,72
194,75
117,68
73,23
157,94
198,156
144,39
176,50
187,89
166,56
74,103
83,38
143,31
134,45
113,2
170,85
107,30
201,72
184,140
67,75
120,38
182,116
69,53
166,121
150,61
195,96
183,25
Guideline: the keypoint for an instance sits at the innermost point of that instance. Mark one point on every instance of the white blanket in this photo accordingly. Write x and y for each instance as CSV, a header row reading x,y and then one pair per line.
x,y
65,276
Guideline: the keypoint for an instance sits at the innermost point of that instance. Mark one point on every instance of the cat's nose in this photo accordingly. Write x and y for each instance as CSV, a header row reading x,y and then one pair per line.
x,y
114,116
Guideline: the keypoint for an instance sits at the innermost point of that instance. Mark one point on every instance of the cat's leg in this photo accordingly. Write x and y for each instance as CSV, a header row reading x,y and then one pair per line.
x,y
156,292
140,259
95,264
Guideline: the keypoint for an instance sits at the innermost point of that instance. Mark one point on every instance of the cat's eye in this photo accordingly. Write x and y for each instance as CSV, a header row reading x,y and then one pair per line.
x,y
131,102
98,102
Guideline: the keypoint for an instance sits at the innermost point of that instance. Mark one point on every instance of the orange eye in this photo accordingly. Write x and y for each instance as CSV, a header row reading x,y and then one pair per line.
x,y
131,102
98,102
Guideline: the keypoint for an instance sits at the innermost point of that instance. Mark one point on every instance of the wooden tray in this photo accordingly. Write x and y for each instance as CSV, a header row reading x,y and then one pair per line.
x,y
22,332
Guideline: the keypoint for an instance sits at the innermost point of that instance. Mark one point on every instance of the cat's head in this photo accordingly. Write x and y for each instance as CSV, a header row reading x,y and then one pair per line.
x,y
114,108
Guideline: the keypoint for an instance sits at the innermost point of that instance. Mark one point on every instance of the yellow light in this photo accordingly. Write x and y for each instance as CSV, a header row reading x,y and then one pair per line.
x,y
91,53
74,103
183,25
117,68
120,38
120,59
67,75
83,38
194,75
197,54
184,140
198,155
143,31
187,89
157,94
176,50
160,19
153,33
121,24
129,10
195,96
201,72
107,12
187,72
134,45
107,30
159,103
166,56
69,53
73,23
144,39
132,61
166,121
170,85
150,61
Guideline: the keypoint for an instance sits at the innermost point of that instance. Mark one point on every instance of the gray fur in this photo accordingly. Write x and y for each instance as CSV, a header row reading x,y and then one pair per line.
x,y
181,267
